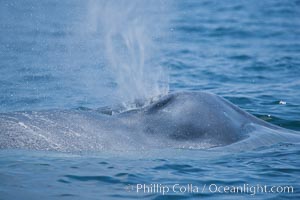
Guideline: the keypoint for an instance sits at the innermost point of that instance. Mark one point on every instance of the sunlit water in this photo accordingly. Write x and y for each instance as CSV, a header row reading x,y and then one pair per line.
x,y
68,54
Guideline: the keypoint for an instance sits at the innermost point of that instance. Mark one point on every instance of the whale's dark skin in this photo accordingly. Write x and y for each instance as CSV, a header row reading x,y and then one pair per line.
x,y
177,120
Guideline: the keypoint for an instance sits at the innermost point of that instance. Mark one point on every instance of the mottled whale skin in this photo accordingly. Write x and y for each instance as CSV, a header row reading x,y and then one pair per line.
x,y
194,120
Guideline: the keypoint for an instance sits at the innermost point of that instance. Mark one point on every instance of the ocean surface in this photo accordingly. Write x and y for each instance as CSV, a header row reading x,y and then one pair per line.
x,y
91,54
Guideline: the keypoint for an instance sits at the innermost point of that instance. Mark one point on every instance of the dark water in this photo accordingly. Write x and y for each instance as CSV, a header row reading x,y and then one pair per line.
x,y
107,176
52,56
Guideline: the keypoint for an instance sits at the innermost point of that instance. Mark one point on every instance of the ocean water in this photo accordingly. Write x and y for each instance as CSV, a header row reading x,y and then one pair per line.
x,y
91,54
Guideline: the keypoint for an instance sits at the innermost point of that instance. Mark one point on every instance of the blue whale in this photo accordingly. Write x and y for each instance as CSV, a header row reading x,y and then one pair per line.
x,y
194,120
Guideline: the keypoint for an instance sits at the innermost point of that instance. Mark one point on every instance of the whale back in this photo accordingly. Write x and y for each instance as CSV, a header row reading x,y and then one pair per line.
x,y
195,116
177,120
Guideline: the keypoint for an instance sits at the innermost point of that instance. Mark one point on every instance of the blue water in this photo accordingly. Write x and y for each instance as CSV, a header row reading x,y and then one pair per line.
x,y
52,55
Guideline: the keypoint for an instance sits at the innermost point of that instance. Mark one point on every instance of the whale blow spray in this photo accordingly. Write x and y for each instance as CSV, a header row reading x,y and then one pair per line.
x,y
131,32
